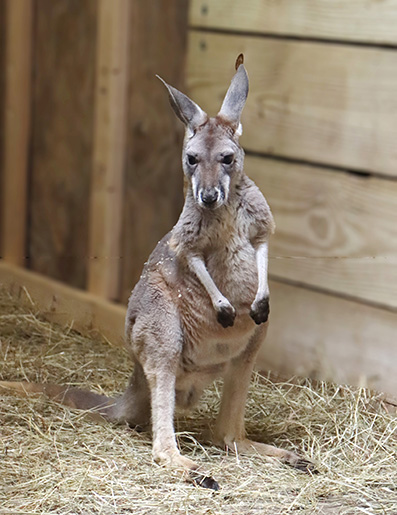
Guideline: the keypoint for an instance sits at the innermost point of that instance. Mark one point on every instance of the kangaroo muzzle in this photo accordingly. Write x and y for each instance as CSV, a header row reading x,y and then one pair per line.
x,y
210,197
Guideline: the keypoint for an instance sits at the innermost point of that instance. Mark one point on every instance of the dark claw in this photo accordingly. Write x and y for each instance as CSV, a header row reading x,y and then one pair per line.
x,y
260,313
306,466
204,481
226,316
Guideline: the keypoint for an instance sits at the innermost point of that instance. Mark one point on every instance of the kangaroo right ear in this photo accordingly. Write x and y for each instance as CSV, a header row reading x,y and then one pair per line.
x,y
186,110
236,95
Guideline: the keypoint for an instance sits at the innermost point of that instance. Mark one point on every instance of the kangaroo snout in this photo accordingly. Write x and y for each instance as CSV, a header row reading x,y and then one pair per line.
x,y
210,197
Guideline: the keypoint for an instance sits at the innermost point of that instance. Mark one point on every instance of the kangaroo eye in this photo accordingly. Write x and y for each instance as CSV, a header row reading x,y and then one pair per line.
x,y
228,159
192,159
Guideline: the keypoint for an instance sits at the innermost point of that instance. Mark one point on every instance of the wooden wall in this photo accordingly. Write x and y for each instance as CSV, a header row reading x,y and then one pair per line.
x,y
320,138
90,155
100,178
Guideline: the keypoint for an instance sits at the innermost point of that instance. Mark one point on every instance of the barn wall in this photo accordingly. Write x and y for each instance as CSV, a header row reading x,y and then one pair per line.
x,y
319,134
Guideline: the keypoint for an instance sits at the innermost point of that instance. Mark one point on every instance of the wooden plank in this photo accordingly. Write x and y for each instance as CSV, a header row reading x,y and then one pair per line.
x,y
367,21
335,231
153,189
63,127
65,305
330,104
18,19
109,148
325,337
310,334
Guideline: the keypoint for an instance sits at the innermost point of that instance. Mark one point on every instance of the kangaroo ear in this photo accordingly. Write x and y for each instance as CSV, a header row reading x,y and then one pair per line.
x,y
236,95
185,109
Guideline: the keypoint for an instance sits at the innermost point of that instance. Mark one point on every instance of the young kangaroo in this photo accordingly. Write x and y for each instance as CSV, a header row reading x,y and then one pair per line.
x,y
200,309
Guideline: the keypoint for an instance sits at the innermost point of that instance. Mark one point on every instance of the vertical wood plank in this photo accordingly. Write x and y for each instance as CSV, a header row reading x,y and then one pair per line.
x,y
62,136
154,186
17,85
109,147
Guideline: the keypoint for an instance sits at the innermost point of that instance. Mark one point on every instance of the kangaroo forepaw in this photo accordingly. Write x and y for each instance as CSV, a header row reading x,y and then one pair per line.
x,y
204,481
260,310
226,315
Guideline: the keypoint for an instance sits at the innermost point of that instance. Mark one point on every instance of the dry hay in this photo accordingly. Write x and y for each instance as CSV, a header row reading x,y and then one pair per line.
x,y
54,460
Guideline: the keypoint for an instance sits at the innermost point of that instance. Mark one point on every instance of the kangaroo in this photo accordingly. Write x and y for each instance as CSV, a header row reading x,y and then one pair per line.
x,y
200,309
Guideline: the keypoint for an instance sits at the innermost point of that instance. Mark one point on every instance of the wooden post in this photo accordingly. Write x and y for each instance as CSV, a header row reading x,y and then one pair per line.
x,y
109,148
16,130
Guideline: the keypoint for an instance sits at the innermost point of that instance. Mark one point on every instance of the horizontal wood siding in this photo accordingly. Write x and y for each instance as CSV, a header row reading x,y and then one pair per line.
x,y
325,337
335,230
365,21
330,104
320,136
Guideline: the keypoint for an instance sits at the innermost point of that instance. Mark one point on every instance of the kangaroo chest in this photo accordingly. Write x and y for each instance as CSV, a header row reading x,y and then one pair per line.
x,y
231,261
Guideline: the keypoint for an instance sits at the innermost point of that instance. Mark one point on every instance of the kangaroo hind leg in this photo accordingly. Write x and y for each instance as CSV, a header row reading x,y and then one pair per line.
x,y
230,428
160,357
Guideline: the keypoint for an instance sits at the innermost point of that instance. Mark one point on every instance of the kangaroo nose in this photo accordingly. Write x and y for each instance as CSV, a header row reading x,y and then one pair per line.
x,y
209,197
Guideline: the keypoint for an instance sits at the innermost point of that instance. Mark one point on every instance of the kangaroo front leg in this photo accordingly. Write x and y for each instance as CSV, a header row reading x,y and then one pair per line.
x,y
225,311
260,307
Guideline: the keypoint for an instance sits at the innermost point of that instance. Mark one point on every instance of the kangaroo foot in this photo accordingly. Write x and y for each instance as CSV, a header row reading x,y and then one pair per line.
x,y
188,469
272,454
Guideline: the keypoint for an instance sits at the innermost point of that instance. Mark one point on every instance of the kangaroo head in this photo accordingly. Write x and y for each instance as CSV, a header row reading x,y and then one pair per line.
x,y
212,158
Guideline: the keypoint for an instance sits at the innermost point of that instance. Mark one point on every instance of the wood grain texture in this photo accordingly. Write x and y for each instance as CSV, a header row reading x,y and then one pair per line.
x,y
321,336
335,231
65,305
330,104
153,190
109,148
16,129
368,21
63,119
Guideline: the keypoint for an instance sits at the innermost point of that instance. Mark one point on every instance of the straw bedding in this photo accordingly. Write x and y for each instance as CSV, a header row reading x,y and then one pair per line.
x,y
55,460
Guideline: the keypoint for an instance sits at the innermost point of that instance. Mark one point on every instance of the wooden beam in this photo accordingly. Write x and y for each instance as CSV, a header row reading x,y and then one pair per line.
x,y
16,130
335,231
367,21
153,194
310,334
330,104
65,305
317,335
109,148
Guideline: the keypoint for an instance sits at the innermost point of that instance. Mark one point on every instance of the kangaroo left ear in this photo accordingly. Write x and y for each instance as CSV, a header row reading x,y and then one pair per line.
x,y
236,96
186,110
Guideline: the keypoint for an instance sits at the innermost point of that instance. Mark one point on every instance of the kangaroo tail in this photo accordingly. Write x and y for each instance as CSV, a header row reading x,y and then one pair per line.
x,y
66,395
